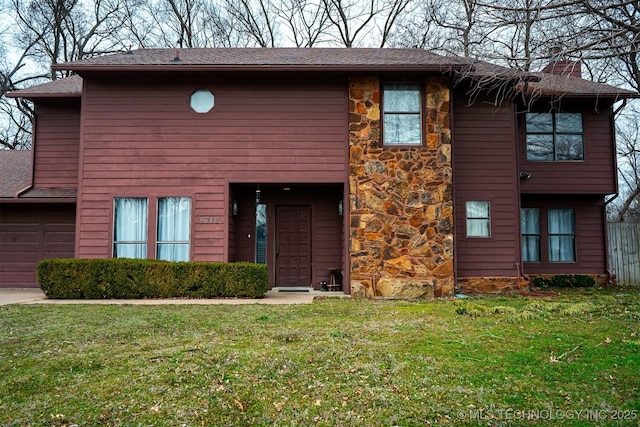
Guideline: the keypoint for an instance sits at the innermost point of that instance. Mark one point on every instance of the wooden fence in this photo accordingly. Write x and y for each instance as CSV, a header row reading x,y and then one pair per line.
x,y
624,251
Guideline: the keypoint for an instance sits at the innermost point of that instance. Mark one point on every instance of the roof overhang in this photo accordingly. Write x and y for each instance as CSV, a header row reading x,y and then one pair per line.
x,y
269,60
67,88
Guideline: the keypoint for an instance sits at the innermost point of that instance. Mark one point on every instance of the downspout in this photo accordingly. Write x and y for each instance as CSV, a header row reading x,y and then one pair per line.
x,y
519,264
610,274
34,123
452,120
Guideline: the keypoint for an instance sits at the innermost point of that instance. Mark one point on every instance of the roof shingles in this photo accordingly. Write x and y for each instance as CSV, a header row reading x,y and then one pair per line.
x,y
268,58
15,177
317,59
15,172
69,87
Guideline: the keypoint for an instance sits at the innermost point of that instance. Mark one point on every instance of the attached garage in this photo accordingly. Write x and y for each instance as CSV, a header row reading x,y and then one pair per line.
x,y
30,233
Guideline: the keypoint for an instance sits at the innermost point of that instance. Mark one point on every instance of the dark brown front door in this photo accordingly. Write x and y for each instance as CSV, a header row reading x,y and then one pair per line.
x,y
293,246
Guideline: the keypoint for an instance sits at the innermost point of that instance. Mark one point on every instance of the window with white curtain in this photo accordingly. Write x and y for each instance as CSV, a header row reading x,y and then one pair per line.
x,y
174,214
530,228
402,123
562,235
478,219
130,227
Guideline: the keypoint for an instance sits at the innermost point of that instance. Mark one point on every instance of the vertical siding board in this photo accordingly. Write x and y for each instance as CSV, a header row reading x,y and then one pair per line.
x,y
624,251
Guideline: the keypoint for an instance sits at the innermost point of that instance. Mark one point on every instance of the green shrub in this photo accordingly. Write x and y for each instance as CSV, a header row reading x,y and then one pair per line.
x,y
134,278
564,281
572,281
540,282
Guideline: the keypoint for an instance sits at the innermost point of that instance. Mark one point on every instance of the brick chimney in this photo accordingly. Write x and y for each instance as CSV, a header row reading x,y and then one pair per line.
x,y
564,67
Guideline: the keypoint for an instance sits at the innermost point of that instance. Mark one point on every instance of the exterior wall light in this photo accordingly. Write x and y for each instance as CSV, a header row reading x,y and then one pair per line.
x,y
340,207
525,175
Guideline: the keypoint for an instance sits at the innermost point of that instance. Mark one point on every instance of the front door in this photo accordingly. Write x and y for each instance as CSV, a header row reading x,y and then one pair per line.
x,y
293,246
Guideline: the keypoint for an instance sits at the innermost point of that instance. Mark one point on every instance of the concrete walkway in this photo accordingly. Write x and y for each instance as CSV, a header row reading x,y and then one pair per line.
x,y
273,296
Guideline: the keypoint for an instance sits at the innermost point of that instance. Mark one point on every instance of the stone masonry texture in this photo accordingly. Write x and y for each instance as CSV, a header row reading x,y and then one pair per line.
x,y
401,223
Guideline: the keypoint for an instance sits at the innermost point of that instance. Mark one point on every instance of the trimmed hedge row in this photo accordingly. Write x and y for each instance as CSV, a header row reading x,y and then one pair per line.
x,y
565,281
141,278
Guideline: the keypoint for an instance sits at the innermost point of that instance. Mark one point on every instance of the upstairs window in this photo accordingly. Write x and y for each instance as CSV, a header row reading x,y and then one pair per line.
x,y
478,219
174,214
402,122
130,228
554,137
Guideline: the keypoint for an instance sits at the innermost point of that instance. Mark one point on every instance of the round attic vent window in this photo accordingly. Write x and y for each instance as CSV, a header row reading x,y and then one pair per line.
x,y
201,101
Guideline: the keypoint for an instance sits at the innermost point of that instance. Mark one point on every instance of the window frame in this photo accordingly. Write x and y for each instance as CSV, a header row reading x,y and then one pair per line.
x,y
201,109
555,135
560,235
546,235
487,219
145,229
537,235
419,113
159,242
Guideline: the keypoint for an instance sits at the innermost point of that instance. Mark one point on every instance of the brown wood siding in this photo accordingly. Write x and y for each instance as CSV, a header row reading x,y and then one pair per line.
x,y
142,139
590,235
245,228
57,136
30,233
595,175
484,161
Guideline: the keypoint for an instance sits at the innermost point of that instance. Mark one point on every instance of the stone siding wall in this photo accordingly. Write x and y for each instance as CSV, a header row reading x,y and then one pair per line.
x,y
401,224
489,285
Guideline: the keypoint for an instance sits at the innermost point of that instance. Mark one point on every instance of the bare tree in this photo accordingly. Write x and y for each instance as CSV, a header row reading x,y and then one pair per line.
x,y
419,31
611,39
46,32
364,23
627,207
15,134
306,22
256,19
56,31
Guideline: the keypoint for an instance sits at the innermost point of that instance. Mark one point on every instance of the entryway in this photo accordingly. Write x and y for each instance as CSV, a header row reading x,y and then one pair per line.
x,y
296,229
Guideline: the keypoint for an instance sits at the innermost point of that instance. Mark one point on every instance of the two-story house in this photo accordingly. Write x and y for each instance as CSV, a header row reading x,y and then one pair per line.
x,y
409,173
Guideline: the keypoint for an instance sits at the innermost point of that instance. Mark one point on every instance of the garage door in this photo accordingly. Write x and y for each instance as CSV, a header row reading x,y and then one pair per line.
x,y
30,233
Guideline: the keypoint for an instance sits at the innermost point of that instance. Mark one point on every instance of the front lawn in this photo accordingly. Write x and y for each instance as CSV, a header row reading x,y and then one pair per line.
x,y
571,360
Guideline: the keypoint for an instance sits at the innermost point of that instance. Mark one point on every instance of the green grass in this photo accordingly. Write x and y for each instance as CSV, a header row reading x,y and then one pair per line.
x,y
332,363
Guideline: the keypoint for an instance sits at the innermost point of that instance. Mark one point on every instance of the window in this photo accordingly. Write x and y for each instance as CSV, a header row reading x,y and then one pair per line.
x,y
554,136
478,220
130,228
261,233
402,123
201,101
530,226
174,217
562,235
